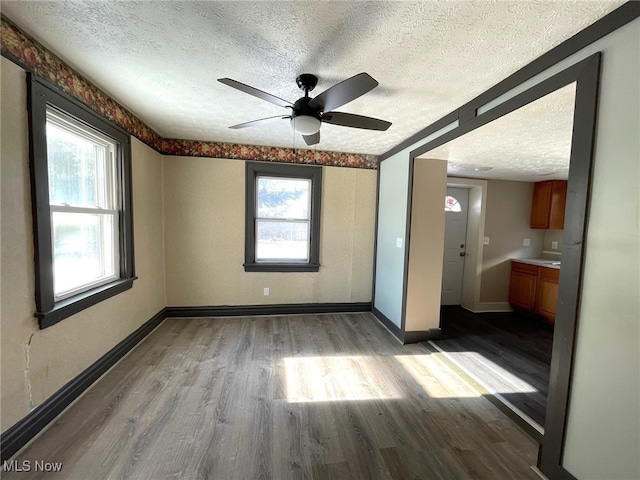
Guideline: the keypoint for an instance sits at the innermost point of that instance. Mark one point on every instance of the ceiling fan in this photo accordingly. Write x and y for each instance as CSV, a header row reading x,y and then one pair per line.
x,y
308,113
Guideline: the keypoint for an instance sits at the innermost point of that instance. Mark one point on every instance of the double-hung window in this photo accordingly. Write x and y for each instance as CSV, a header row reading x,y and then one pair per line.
x,y
81,188
282,222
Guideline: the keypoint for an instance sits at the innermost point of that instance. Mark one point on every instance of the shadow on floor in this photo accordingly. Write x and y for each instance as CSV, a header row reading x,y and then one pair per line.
x,y
508,353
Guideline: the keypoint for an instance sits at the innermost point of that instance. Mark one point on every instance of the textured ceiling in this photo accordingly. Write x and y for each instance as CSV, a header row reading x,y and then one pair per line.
x,y
530,144
161,59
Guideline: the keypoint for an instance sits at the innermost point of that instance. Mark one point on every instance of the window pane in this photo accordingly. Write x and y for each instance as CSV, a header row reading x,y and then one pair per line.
x,y
451,204
77,169
83,249
287,241
283,198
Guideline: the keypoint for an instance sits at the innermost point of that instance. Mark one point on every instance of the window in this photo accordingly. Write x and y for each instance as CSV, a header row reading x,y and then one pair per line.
x,y
81,195
282,217
451,204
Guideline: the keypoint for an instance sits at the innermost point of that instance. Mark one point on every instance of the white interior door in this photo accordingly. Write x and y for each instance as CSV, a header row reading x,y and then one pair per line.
x,y
455,235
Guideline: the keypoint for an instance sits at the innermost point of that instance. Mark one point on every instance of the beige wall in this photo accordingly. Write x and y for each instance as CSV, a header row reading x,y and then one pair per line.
x,y
508,216
551,236
204,238
426,247
36,363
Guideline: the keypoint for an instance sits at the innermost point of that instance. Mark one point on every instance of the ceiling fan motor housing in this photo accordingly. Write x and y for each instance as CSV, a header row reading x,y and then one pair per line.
x,y
307,82
301,107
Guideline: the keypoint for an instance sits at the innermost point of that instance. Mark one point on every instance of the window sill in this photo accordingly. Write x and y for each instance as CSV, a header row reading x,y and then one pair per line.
x,y
281,267
70,306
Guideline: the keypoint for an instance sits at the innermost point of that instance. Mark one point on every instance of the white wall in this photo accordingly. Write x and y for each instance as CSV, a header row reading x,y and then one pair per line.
x,y
36,363
392,216
603,431
204,238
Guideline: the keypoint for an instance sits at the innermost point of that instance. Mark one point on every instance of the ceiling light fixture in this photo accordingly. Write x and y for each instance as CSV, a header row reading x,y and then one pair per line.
x,y
305,124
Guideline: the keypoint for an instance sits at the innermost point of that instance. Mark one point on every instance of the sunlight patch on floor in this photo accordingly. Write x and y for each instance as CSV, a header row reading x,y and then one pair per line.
x,y
435,378
508,382
330,379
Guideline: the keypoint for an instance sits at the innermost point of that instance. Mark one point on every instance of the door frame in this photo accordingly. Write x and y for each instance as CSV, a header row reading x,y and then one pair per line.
x,y
472,275
465,260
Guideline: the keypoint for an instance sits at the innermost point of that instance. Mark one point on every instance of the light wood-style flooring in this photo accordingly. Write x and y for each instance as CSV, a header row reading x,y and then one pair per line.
x,y
310,396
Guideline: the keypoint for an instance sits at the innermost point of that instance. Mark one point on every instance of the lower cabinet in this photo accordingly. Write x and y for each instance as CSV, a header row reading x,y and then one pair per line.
x,y
522,290
534,289
547,293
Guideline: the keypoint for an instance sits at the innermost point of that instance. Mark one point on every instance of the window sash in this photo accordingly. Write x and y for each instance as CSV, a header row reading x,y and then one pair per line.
x,y
307,241
109,258
272,177
106,181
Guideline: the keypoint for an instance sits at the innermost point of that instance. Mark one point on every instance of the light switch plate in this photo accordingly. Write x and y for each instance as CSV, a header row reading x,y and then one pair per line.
x,y
485,241
266,291
554,245
527,242
399,242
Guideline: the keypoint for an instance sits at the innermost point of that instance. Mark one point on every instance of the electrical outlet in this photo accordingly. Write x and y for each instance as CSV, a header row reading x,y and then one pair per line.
x,y
399,242
554,245
485,241
266,291
527,242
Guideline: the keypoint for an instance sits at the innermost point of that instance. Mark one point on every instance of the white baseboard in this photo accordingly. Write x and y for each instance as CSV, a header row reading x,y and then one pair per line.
x,y
483,307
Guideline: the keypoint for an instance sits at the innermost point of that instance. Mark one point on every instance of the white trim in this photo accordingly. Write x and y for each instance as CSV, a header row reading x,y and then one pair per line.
x,y
483,307
472,276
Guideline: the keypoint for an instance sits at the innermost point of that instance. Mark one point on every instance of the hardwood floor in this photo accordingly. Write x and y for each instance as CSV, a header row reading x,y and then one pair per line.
x,y
507,352
300,397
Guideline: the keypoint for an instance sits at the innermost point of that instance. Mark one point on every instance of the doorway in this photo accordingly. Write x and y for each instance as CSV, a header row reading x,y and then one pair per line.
x,y
456,208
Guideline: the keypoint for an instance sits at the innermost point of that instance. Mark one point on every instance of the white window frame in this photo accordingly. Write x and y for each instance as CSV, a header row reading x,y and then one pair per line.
x,y
108,192
306,221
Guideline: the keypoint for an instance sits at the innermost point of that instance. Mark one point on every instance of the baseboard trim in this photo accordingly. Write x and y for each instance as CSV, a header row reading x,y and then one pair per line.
x,y
486,307
276,309
22,432
392,327
422,335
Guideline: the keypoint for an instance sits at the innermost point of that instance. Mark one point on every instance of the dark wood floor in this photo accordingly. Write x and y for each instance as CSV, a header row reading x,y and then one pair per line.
x,y
315,396
508,353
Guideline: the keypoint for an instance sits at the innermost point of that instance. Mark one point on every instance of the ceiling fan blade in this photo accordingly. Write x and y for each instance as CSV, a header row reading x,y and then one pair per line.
x,y
258,122
312,139
355,121
255,92
344,92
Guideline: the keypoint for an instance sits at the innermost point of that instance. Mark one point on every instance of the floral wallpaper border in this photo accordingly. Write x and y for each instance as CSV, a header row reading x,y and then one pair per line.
x,y
20,48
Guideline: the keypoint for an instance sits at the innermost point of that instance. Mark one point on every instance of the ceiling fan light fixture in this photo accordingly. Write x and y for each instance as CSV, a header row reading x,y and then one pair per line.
x,y
305,124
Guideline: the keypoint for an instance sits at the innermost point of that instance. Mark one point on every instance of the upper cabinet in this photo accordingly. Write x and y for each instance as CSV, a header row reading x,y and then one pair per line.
x,y
549,199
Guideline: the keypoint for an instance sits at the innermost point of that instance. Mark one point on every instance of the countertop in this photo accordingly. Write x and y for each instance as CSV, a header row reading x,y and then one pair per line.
x,y
540,262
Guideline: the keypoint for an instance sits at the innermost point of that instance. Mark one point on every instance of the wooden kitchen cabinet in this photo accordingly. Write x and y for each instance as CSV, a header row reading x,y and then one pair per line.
x,y
547,209
534,289
547,293
522,290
